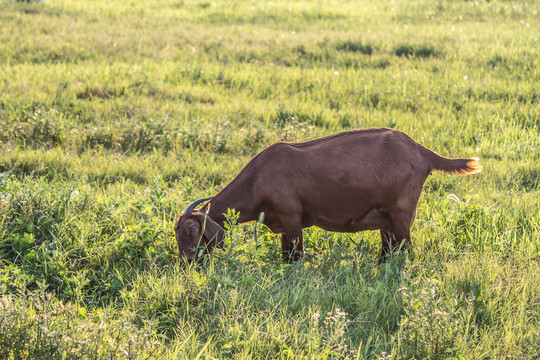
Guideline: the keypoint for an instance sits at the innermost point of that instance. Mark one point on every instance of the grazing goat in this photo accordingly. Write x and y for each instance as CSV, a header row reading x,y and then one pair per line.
x,y
352,181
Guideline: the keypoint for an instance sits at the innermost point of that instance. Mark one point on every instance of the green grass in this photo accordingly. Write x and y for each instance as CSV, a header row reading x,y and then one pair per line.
x,y
115,115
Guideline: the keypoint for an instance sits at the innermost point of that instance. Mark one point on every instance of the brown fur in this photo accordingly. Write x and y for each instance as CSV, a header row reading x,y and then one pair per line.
x,y
352,181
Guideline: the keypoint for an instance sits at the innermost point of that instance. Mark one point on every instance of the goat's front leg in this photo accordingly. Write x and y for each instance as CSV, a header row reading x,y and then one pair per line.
x,y
292,246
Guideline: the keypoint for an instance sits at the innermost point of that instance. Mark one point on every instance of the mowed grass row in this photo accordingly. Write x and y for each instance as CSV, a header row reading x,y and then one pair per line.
x,y
114,116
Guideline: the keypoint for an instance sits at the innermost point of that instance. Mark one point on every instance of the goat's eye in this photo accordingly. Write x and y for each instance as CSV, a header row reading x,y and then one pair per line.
x,y
192,228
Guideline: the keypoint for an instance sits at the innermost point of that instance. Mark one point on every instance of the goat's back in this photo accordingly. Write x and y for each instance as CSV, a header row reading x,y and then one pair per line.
x,y
342,165
372,156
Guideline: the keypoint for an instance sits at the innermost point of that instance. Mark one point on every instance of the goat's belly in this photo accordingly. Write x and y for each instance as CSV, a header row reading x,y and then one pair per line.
x,y
374,219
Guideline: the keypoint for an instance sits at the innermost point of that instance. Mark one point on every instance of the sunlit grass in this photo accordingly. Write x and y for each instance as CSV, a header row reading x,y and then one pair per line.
x,y
115,115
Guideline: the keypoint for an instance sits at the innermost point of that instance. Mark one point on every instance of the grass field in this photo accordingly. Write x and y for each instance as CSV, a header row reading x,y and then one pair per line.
x,y
114,115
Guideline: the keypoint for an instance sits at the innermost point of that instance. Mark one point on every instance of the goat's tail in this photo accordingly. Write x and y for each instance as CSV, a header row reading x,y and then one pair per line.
x,y
452,166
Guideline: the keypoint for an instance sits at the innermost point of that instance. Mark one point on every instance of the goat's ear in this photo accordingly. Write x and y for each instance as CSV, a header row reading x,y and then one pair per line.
x,y
212,231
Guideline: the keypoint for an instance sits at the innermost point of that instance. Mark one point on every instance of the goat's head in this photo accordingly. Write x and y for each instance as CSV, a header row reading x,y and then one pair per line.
x,y
196,231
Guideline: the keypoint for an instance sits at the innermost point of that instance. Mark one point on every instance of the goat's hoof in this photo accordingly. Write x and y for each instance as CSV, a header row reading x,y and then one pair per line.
x,y
293,256
382,259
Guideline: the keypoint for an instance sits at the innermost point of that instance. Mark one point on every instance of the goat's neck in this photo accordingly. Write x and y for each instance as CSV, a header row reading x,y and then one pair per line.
x,y
228,198
217,210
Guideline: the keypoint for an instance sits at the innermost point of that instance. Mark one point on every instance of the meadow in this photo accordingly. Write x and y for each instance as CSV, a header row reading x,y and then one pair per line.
x,y
114,115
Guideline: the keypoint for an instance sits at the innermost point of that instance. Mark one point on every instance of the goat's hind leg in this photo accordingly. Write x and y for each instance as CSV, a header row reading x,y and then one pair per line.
x,y
387,240
400,233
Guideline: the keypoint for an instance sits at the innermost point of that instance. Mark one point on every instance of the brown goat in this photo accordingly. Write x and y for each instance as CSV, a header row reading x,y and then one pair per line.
x,y
352,181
